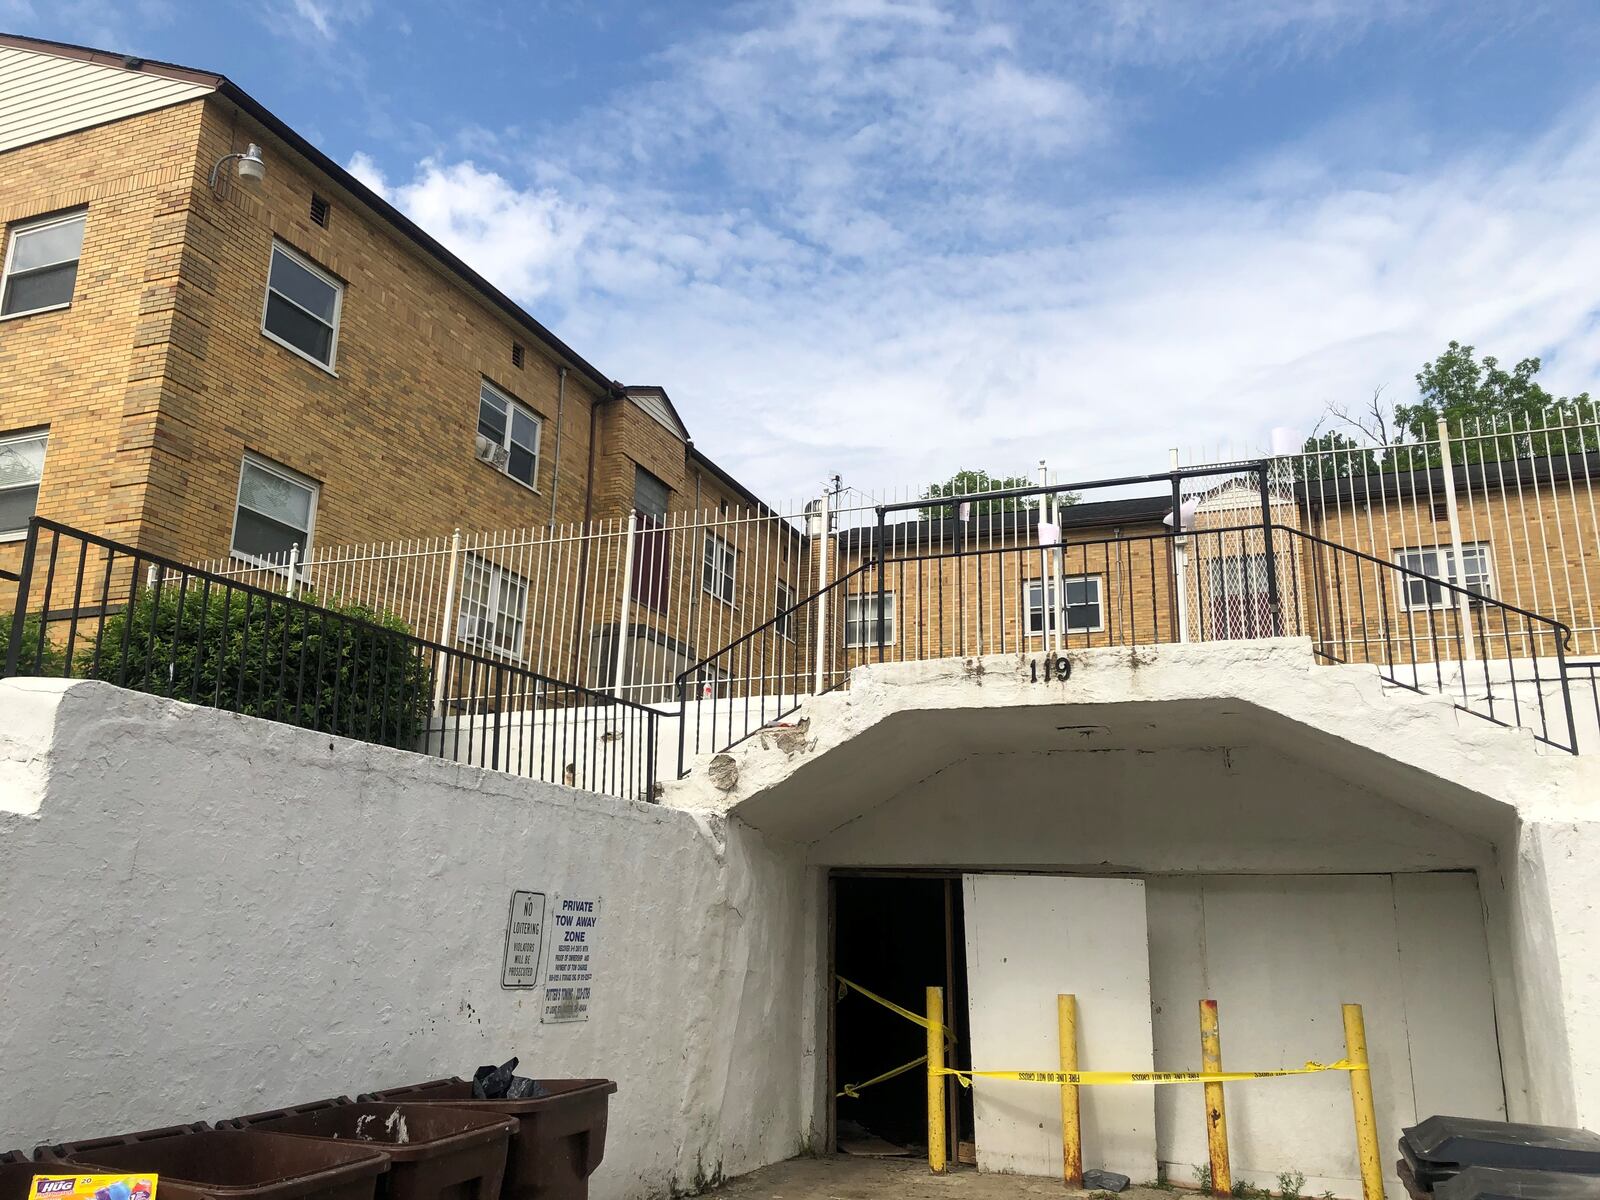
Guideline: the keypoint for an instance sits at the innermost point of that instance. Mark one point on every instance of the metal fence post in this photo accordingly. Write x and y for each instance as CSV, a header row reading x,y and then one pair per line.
x,y
1274,605
24,584
447,621
883,627
1179,584
821,618
625,607
1464,603
294,567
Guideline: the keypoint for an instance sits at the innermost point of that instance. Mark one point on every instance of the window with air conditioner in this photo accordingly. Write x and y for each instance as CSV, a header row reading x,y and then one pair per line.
x,y
274,514
302,306
493,608
21,470
1080,597
1440,562
41,267
508,435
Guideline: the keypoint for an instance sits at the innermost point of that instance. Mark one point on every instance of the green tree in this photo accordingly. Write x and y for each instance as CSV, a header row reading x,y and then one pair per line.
x,y
1476,396
1333,455
972,483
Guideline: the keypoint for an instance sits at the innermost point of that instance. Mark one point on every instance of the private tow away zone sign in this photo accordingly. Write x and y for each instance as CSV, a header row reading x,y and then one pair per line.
x,y
574,924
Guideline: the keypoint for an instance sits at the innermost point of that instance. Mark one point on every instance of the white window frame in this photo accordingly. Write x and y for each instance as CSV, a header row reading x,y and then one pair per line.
x,y
288,475
719,573
338,307
1047,616
1447,555
512,403
30,226
33,435
859,621
499,578
786,599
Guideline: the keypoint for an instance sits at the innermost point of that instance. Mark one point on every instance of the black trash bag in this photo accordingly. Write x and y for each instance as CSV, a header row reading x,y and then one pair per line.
x,y
502,1083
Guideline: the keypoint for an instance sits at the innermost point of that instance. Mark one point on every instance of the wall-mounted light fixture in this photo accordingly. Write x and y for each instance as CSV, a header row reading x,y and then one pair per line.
x,y
252,168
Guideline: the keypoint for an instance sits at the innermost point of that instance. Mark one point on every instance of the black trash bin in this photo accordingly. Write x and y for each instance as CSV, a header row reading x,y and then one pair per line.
x,y
435,1153
1442,1146
560,1138
1501,1183
196,1162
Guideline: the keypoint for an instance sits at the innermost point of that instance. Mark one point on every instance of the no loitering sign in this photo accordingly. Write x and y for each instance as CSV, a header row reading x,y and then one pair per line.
x,y
524,941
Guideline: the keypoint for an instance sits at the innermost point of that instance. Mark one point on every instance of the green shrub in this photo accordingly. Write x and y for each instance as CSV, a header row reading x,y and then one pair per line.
x,y
50,663
296,663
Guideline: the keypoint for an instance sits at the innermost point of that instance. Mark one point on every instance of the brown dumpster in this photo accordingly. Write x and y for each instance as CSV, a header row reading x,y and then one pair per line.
x,y
195,1162
16,1175
435,1153
560,1139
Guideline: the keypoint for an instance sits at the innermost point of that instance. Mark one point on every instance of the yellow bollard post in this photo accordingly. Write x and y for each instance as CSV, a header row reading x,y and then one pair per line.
x,y
1216,1112
1355,1051
1071,1128
936,1148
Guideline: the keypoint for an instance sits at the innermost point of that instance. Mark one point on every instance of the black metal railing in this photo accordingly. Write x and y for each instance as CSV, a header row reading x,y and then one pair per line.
x,y
1423,633
1201,584
90,608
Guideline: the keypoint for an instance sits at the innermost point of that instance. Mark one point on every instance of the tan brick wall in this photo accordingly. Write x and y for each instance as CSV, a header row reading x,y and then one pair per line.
x,y
390,437
93,372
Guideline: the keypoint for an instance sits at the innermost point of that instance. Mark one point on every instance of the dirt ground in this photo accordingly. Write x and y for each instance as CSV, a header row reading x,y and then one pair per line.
x,y
841,1177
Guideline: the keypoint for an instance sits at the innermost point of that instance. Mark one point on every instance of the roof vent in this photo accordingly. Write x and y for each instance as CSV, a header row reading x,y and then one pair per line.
x,y
518,355
319,210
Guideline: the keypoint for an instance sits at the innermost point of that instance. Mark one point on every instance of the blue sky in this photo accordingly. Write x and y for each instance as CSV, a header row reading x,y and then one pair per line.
x,y
893,238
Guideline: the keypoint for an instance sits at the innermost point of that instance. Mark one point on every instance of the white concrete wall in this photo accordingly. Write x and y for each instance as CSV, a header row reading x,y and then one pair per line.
x,y
1226,758
203,914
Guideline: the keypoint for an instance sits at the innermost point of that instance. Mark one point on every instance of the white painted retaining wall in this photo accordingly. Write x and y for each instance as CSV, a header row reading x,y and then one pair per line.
x,y
203,915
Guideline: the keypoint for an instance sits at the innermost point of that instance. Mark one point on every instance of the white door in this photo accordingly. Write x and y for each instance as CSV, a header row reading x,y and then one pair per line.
x,y
1030,937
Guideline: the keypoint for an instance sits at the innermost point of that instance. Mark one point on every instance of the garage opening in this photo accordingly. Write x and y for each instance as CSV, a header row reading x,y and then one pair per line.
x,y
896,935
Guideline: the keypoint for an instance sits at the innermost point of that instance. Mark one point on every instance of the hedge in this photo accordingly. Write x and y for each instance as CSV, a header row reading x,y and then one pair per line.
x,y
298,663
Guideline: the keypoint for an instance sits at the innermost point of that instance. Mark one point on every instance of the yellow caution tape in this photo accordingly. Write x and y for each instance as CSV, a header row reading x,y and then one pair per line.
x,y
1096,1078
914,1018
853,1090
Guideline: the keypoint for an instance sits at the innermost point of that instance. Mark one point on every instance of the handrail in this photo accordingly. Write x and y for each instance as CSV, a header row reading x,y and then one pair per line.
x,y
1260,592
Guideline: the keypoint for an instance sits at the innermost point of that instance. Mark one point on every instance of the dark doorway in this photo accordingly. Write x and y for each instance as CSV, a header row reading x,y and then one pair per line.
x,y
896,935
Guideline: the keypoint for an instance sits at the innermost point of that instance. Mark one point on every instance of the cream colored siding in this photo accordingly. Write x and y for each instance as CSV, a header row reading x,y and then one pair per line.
x,y
657,408
43,95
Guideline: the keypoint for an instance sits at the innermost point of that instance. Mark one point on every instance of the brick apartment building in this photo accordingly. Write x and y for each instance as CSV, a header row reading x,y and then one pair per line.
x,y
204,366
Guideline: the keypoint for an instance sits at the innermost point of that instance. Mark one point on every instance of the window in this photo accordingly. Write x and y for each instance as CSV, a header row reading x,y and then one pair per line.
x,y
861,620
1080,595
42,265
320,210
785,619
1440,561
275,512
494,606
511,428
21,469
652,547
302,309
718,574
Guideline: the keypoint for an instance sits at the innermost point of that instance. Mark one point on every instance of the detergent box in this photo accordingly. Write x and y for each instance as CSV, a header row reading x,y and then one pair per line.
x,y
94,1187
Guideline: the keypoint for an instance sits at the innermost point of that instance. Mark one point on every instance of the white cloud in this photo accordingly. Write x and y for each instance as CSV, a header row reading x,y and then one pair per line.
x,y
857,269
